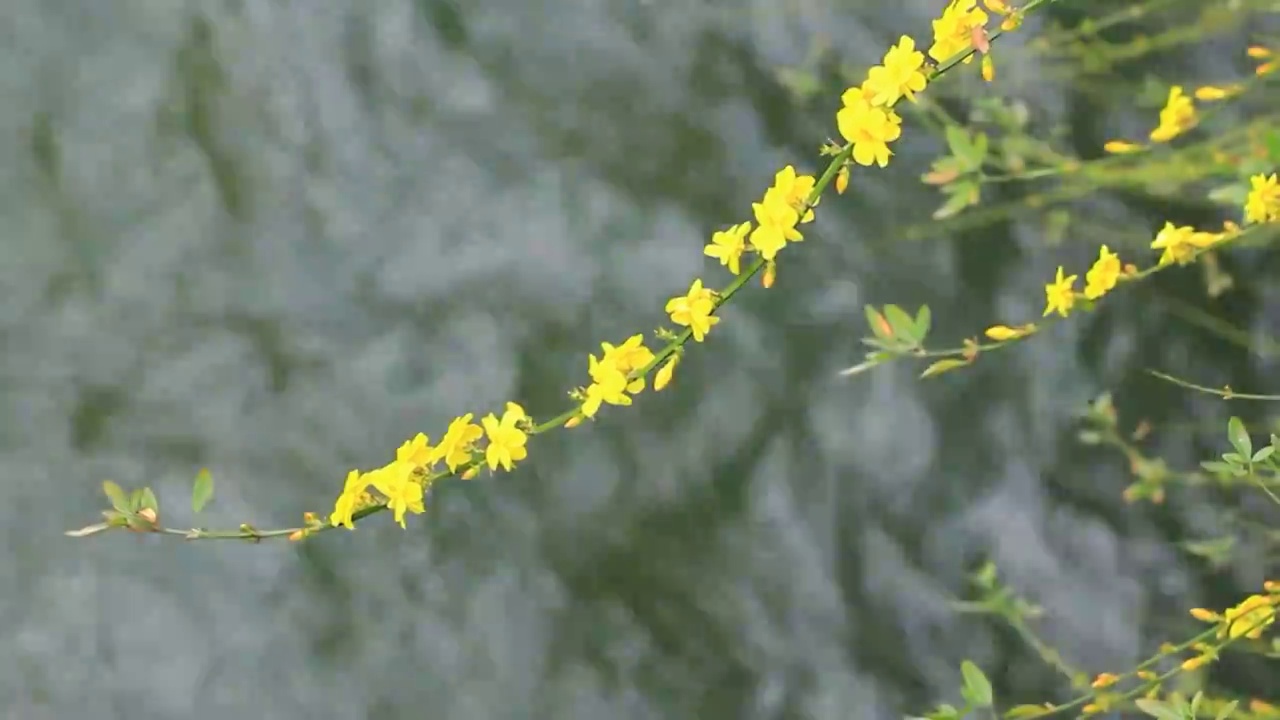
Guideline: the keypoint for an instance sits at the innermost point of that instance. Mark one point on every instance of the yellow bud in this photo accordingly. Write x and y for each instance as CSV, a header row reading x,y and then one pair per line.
x,y
770,274
1012,22
1257,52
149,515
988,68
1192,663
1104,680
297,535
471,472
573,422
1121,147
1000,333
842,179
663,378
1205,615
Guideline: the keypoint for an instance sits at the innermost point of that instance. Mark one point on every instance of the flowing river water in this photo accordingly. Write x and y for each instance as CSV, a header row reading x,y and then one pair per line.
x,y
276,238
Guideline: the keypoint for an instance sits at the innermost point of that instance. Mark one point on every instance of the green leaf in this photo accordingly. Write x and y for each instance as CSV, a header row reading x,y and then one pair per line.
x,y
944,712
943,365
149,500
924,321
1225,711
201,491
87,531
1217,466
1239,437
1272,139
1263,453
116,495
1158,709
961,194
1022,711
878,324
135,500
1234,194
904,327
977,688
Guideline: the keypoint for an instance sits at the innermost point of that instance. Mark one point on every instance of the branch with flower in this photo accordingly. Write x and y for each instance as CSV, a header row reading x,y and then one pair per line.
x,y
868,123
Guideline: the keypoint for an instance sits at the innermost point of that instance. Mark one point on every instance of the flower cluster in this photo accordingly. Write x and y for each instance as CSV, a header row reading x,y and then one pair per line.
x,y
1178,244
1250,618
401,484
1102,277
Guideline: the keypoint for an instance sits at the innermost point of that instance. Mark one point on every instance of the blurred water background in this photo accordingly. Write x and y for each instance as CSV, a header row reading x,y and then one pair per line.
x,y
276,238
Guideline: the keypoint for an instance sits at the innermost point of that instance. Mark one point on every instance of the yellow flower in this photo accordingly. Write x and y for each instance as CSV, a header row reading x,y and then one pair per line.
x,y
1178,243
609,384
776,224
1121,147
416,450
727,246
1059,294
870,129
506,439
1103,275
627,358
456,445
351,499
953,32
899,76
1177,117
1263,203
793,190
395,482
694,309
1250,617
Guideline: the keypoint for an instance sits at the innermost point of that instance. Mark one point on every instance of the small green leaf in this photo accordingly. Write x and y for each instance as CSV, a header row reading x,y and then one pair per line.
x,y
960,195
202,491
149,500
135,500
1226,710
943,365
1158,709
944,712
1217,466
958,142
116,495
878,324
1234,194
904,326
1239,437
1263,453
977,688
1272,139
1023,711
924,322
87,531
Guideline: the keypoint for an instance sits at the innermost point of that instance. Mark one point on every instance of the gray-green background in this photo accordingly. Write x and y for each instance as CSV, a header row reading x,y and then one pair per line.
x,y
278,237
